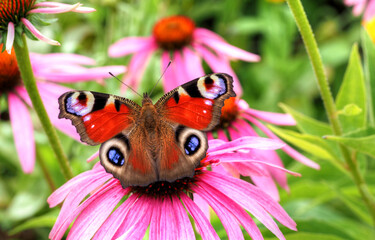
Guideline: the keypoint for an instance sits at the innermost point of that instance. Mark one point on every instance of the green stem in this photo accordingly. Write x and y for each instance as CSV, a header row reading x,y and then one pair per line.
x,y
317,64
24,65
43,166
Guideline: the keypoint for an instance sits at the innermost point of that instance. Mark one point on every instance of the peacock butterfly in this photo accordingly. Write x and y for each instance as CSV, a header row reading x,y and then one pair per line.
x,y
161,142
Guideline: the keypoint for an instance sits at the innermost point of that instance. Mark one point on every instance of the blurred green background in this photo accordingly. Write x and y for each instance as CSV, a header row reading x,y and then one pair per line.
x,y
324,203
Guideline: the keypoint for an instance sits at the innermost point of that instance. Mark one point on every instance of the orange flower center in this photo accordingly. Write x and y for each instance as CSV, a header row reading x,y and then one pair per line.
x,y
174,32
9,73
13,11
229,112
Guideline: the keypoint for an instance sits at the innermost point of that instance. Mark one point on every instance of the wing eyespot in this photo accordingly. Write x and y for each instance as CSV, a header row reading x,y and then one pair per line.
x,y
192,144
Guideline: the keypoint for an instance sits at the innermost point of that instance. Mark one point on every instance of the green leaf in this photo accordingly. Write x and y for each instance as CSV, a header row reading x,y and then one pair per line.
x,y
43,221
369,63
309,143
362,141
307,124
352,91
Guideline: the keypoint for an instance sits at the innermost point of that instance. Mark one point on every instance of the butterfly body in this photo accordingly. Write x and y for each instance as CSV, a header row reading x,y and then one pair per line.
x,y
164,141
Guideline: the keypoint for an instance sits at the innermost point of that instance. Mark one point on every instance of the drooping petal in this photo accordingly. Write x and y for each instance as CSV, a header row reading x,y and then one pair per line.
x,y
220,200
56,4
86,74
248,143
137,219
290,151
52,59
94,215
182,220
252,199
38,34
176,74
92,157
106,190
370,11
115,220
50,93
274,118
219,64
222,47
131,45
192,63
10,37
23,132
137,67
203,225
227,219
57,9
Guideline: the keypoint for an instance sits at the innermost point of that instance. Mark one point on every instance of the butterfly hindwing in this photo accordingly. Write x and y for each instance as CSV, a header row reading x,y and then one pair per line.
x,y
197,104
97,116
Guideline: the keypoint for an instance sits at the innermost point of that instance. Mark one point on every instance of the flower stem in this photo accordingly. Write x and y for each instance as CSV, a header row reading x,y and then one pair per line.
x,y
317,64
24,65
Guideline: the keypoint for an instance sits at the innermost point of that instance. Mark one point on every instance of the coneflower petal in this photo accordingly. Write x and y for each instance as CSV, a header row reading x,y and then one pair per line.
x,y
38,34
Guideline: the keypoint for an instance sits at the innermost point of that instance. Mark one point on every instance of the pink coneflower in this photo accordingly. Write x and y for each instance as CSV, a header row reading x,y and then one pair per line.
x,y
18,16
102,209
237,120
180,41
47,68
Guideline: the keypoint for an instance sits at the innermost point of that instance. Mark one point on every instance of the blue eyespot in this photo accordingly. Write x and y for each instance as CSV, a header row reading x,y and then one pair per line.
x,y
115,156
192,145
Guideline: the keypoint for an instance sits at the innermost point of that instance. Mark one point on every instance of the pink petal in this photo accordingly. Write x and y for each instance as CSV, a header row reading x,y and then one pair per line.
x,y
219,64
268,185
229,207
155,223
137,219
290,151
115,220
94,215
268,156
227,219
370,11
22,132
223,47
10,37
61,193
203,225
137,67
92,157
182,220
176,75
252,199
202,204
131,45
274,118
58,230
87,74
59,58
247,143
200,33
38,34
192,63
50,94
57,9
55,4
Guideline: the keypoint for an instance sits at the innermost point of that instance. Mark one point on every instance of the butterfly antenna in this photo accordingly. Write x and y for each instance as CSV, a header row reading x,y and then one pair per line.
x,y
125,84
170,61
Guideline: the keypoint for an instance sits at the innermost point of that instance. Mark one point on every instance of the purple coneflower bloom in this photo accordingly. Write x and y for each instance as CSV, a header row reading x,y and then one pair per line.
x,y
102,209
237,120
184,44
48,69
18,14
